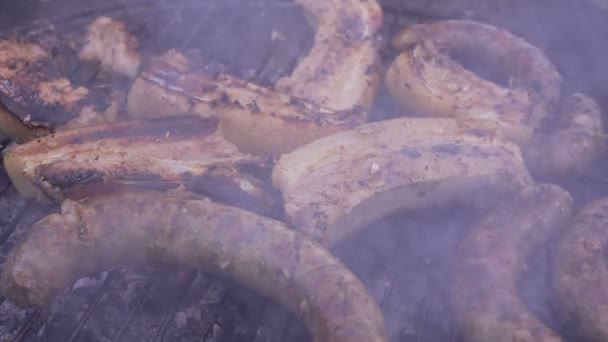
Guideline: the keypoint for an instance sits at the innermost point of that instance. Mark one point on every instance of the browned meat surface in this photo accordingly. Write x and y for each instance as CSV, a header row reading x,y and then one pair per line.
x,y
256,119
161,153
342,70
340,183
34,91
163,230
425,79
574,143
486,301
581,275
109,43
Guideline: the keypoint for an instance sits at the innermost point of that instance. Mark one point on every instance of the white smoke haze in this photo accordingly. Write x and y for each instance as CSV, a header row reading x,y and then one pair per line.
x,y
406,260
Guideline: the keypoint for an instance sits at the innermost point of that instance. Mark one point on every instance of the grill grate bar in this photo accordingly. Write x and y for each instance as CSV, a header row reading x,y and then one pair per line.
x,y
291,322
174,18
13,225
30,321
195,31
218,37
208,325
166,320
134,310
79,17
87,315
387,294
425,308
267,58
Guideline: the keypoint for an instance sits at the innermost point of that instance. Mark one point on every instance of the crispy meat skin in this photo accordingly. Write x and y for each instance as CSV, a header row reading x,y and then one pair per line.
x,y
425,80
33,89
342,70
338,184
155,228
256,119
158,153
581,274
574,145
486,303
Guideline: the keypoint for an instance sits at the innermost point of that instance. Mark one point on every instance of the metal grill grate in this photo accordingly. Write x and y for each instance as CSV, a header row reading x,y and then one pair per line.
x,y
404,260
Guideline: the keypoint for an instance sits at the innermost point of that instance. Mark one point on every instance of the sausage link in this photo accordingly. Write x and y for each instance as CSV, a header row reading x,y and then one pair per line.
x,y
132,229
574,146
581,276
490,258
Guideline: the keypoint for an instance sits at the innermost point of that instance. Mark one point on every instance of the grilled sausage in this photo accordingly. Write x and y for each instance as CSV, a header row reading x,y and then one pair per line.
x,y
342,69
425,79
581,277
133,229
160,153
573,145
256,119
339,183
486,304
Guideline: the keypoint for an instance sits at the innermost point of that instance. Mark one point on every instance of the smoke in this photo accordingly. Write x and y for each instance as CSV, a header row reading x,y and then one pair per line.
x,y
405,260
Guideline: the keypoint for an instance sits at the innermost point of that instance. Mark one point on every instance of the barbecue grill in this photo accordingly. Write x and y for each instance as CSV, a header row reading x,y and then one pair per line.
x,y
406,261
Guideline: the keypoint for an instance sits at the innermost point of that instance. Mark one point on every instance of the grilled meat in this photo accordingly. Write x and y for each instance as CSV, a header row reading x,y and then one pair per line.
x,y
581,277
486,303
34,92
14,129
425,79
342,70
109,43
156,228
339,183
573,146
160,153
256,119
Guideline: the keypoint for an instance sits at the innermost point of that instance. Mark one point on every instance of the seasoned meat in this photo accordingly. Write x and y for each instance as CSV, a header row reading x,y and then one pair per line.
x,y
342,69
573,146
487,306
34,92
256,119
160,153
109,43
581,275
339,183
426,79
163,230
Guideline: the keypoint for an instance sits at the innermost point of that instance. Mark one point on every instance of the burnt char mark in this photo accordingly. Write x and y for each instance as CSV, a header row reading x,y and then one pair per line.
x,y
411,153
109,189
24,103
165,127
22,97
223,188
69,178
480,132
450,149
351,28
